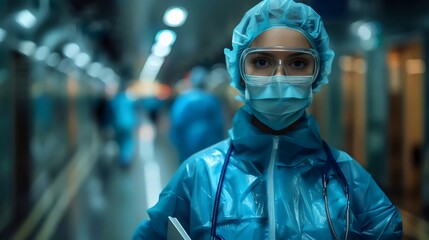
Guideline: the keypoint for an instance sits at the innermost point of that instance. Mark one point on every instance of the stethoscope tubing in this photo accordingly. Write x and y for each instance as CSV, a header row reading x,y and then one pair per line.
x,y
343,180
325,180
218,193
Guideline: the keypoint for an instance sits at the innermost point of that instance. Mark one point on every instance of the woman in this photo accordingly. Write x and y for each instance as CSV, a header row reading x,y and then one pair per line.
x,y
275,178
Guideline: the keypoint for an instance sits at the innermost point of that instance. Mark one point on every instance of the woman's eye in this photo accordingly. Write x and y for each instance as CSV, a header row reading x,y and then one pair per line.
x,y
298,64
261,63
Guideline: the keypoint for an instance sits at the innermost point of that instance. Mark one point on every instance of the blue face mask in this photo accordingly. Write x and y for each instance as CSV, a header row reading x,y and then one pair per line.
x,y
280,101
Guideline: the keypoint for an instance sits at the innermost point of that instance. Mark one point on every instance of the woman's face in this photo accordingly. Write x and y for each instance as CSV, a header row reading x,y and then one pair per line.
x,y
280,37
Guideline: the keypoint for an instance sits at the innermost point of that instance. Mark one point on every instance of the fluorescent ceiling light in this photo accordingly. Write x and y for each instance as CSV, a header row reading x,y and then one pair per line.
x,y
26,19
82,59
160,50
365,31
154,61
165,37
151,68
94,69
27,47
71,50
107,74
42,53
175,16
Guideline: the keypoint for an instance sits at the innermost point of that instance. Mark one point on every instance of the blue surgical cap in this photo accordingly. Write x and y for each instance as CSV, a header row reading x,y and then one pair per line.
x,y
280,13
198,76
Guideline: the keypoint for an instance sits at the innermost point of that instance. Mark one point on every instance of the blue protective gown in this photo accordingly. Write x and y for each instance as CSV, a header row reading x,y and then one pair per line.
x,y
197,121
272,182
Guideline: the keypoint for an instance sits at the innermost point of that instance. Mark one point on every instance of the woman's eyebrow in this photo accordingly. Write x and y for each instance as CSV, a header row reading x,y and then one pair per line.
x,y
263,54
289,54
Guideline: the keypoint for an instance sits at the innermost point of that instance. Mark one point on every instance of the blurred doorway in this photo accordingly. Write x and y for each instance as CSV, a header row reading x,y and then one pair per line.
x,y
354,110
319,109
405,122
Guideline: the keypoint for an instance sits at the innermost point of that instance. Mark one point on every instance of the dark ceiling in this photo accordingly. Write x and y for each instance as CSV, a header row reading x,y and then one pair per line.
x,y
120,33
125,31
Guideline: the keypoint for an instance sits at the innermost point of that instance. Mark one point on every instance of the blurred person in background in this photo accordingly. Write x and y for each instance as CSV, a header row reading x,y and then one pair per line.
x,y
197,119
104,116
275,177
124,122
103,112
218,83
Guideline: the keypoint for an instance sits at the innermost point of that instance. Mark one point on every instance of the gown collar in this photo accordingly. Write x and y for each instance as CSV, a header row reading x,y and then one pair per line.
x,y
295,146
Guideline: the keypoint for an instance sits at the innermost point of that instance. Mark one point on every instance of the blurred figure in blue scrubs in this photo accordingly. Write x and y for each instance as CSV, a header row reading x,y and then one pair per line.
x,y
124,122
197,117
275,177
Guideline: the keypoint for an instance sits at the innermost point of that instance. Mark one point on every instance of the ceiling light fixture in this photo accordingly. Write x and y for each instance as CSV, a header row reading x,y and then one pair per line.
x,y
82,59
165,37
71,50
42,53
94,69
26,19
27,47
175,16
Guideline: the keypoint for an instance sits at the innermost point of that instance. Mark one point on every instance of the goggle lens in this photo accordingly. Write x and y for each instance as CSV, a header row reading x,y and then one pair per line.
x,y
279,61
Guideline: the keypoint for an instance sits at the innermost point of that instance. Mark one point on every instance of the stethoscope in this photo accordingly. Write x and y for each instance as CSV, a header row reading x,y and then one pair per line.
x,y
330,163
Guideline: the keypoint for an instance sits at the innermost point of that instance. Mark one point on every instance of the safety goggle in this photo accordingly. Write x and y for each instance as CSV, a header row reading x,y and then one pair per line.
x,y
264,62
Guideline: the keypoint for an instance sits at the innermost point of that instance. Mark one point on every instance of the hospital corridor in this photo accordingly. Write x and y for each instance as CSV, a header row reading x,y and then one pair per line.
x,y
103,101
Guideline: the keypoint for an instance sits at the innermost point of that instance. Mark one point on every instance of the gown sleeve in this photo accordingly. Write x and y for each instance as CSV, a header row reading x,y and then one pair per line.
x,y
377,216
173,201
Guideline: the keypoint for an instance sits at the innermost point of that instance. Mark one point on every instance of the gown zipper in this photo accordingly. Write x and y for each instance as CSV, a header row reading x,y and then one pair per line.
x,y
270,189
